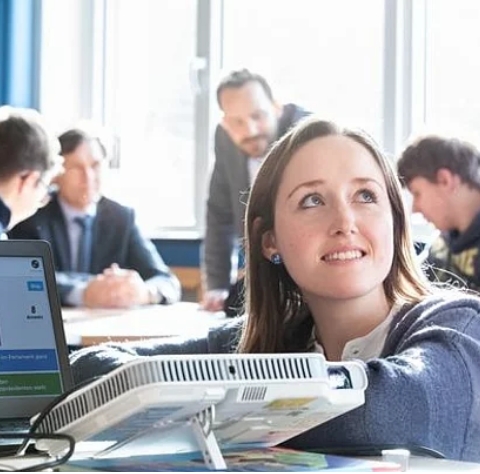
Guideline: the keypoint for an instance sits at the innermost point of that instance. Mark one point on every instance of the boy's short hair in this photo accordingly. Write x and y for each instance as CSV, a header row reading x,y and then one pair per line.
x,y
25,143
428,154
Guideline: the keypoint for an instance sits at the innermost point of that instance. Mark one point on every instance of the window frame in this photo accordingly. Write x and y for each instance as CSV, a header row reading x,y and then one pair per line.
x,y
403,78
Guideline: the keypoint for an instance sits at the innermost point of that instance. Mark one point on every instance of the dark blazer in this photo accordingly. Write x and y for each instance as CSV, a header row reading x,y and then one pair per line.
x,y
116,239
228,193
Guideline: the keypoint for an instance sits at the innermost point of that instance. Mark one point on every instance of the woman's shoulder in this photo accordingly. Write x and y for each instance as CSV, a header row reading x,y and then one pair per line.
x,y
452,316
448,300
452,307
225,337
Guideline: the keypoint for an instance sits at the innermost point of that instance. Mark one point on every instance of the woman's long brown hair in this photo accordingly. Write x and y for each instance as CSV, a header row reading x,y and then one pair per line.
x,y
278,319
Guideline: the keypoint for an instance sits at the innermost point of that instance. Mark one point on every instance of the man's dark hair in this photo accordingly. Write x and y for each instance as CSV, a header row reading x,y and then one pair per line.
x,y
428,154
25,143
73,138
237,79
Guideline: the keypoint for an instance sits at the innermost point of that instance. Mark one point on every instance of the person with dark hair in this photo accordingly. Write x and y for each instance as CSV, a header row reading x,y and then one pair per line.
x,y
331,268
252,121
443,176
100,255
29,160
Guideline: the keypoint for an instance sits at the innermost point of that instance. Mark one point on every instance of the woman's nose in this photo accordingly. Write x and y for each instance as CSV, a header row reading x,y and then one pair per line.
x,y
343,220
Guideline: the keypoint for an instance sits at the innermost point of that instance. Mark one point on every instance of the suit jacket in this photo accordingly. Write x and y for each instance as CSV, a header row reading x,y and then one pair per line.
x,y
115,239
228,193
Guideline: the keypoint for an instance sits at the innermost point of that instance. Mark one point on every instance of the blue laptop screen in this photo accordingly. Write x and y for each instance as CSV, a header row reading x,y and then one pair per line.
x,y
30,373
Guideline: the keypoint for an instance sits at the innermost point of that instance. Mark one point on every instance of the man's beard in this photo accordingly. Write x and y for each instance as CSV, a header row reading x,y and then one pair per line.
x,y
256,146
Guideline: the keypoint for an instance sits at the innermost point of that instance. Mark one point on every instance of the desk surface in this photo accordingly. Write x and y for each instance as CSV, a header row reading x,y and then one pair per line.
x,y
93,326
416,464
441,465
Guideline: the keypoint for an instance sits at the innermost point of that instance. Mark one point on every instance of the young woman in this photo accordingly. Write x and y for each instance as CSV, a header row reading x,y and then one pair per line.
x,y
331,268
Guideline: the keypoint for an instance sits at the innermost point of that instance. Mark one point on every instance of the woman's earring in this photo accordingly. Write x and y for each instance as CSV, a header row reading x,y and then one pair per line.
x,y
276,259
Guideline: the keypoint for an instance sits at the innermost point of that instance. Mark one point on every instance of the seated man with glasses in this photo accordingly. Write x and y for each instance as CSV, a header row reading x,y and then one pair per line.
x,y
101,258
28,161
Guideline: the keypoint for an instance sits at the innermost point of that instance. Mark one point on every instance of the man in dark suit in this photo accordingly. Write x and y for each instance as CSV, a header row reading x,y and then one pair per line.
x,y
101,258
252,120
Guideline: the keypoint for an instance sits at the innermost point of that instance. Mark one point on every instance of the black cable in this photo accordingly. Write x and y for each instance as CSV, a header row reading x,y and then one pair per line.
x,y
45,412
47,464
31,434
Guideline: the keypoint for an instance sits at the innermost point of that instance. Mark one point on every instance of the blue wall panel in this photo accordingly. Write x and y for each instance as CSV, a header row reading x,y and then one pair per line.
x,y
4,51
179,253
19,52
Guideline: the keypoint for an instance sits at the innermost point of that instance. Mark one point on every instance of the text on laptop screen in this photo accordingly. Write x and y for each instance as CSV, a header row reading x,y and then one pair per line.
x,y
29,364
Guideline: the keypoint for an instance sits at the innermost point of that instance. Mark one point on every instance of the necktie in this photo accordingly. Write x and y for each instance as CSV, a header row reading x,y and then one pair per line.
x,y
84,244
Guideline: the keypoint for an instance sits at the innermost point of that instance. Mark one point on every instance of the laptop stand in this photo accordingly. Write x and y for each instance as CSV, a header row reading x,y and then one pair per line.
x,y
202,429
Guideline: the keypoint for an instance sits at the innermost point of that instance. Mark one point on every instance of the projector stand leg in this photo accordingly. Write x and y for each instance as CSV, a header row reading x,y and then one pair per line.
x,y
202,429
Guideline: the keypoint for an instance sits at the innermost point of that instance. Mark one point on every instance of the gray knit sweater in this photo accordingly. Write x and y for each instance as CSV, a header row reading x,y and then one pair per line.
x,y
424,390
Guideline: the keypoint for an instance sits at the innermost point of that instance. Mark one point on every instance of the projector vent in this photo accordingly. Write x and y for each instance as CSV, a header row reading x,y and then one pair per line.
x,y
152,370
253,394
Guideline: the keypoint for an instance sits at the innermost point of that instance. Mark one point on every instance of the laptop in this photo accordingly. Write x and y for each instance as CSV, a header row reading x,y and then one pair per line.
x,y
34,366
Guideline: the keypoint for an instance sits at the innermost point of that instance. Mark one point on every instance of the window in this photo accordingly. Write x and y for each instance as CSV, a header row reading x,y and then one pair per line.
x,y
448,101
326,56
452,65
151,95
150,71
150,107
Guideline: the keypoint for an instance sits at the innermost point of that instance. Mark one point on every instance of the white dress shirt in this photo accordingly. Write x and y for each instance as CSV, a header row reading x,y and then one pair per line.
x,y
253,167
368,346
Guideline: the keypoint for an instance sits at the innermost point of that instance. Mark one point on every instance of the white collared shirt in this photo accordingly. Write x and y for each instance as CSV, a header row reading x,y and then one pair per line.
x,y
368,346
253,167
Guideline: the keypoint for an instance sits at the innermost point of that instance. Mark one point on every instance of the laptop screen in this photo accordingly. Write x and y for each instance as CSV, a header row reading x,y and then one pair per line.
x,y
33,354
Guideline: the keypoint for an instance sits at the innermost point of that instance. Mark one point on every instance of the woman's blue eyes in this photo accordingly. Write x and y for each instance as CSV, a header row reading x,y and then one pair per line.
x,y
367,195
314,200
311,200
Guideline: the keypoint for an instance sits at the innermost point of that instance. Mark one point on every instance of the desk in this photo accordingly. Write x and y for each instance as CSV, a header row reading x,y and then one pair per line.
x,y
93,326
422,464
416,464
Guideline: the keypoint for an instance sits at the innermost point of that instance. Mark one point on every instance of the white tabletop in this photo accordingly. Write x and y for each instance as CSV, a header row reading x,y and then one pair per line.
x,y
93,326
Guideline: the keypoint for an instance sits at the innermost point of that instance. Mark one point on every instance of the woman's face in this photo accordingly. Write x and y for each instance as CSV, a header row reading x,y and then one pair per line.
x,y
333,220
